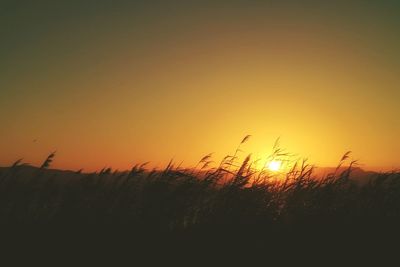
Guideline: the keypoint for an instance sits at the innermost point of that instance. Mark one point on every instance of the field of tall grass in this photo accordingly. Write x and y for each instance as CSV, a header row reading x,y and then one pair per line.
x,y
227,208
234,196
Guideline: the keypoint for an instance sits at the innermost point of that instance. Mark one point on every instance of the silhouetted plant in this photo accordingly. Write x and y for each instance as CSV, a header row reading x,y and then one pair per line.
x,y
220,198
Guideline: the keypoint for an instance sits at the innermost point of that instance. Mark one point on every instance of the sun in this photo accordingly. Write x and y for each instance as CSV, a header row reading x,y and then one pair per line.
x,y
274,165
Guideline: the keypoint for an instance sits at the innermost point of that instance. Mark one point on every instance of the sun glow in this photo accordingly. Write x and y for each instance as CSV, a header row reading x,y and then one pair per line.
x,y
274,165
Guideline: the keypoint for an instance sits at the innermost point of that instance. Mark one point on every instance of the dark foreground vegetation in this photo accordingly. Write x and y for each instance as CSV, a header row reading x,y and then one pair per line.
x,y
225,203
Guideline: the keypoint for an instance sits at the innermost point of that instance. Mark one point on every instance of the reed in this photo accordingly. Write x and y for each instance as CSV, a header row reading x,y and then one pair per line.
x,y
204,198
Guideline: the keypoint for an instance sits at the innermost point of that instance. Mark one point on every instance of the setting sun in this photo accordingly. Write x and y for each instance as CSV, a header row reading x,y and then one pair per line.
x,y
274,165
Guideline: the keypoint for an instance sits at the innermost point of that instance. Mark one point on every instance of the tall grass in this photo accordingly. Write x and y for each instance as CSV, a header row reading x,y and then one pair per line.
x,y
232,195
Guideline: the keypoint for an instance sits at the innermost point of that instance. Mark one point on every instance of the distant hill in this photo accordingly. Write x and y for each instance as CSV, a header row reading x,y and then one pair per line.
x,y
31,171
357,174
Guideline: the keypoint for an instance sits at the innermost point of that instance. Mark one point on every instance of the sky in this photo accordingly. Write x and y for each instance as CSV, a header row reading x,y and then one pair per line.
x,y
113,83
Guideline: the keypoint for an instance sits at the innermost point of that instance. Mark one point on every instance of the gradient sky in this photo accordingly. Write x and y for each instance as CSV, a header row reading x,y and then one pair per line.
x,y
111,83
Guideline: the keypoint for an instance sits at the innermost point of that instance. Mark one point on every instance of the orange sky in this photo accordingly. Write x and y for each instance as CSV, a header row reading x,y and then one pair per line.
x,y
116,86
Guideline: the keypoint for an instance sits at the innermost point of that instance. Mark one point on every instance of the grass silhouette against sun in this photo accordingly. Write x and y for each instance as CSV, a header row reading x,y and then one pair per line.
x,y
231,207
179,199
